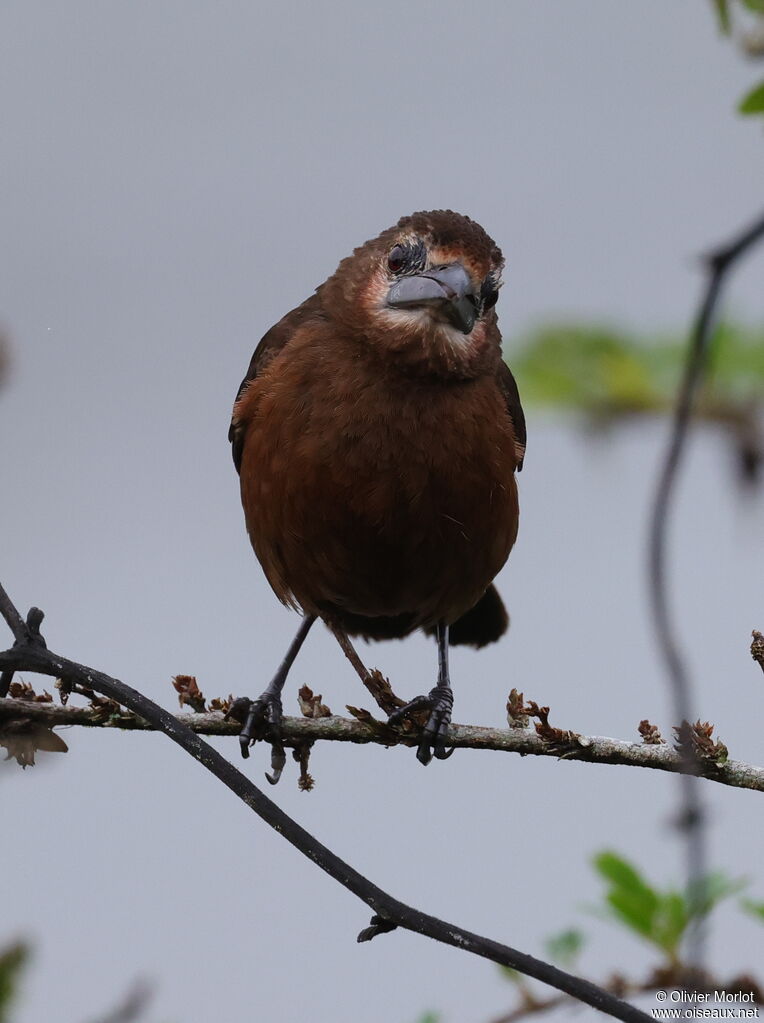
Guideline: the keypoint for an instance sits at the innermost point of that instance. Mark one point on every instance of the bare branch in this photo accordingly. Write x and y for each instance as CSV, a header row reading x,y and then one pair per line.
x,y
13,619
593,749
388,911
757,648
718,264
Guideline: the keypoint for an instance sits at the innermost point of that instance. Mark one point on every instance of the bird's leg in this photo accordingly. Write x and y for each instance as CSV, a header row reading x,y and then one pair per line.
x,y
350,652
438,702
263,715
378,686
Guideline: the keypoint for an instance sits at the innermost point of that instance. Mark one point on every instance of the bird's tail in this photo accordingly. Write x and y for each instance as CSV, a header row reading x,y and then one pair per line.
x,y
484,623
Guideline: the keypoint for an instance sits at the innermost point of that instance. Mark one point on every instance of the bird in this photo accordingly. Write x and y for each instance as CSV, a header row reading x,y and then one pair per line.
x,y
377,435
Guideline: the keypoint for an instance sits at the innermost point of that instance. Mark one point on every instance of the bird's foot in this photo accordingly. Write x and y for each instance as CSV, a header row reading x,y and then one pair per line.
x,y
260,719
439,703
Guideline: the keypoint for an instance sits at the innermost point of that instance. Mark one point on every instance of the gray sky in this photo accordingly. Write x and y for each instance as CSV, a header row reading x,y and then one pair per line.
x,y
174,178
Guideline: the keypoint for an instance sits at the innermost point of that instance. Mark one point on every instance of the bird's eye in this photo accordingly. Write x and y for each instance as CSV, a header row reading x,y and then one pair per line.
x,y
489,295
396,259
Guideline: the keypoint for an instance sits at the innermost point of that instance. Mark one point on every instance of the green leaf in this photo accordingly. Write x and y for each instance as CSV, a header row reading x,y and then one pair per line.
x,y
754,908
723,15
12,961
634,911
757,6
753,102
564,948
630,898
623,875
429,1017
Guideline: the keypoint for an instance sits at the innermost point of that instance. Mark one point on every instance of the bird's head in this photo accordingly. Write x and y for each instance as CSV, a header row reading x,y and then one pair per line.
x,y
423,292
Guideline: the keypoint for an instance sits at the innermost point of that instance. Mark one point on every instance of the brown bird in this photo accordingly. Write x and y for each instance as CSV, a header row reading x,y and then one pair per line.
x,y
377,434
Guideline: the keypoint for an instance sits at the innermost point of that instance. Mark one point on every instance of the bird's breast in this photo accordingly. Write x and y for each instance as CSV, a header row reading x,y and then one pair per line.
x,y
374,493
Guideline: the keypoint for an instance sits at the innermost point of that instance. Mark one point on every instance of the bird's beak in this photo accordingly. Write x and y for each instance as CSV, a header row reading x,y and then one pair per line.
x,y
445,289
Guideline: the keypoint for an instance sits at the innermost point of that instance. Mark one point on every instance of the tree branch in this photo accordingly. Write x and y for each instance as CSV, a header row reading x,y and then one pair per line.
x,y
24,632
718,264
389,913
757,648
296,731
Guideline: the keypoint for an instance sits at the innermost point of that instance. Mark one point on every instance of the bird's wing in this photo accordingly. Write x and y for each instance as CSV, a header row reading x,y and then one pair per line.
x,y
508,388
267,350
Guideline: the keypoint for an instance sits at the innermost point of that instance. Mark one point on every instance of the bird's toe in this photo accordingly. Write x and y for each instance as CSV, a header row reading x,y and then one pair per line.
x,y
435,732
260,719
433,738
418,704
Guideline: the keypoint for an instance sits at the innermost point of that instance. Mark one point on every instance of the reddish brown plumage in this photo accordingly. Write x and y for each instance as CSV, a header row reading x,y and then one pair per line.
x,y
377,447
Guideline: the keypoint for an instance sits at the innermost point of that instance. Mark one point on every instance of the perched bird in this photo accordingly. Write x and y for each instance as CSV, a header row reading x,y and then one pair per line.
x,y
377,434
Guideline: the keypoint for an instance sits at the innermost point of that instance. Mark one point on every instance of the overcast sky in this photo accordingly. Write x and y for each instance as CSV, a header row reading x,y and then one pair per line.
x,y
174,178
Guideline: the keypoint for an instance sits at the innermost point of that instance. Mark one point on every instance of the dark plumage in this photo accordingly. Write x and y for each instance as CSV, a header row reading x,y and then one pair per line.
x,y
377,434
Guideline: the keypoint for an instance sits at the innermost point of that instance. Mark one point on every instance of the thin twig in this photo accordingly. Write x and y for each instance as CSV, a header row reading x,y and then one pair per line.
x,y
23,632
593,749
389,913
132,1006
718,264
672,978
12,617
757,648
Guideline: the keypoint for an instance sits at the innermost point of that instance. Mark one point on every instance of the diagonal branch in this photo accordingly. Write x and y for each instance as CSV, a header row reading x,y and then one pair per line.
x,y
593,749
12,617
718,263
389,913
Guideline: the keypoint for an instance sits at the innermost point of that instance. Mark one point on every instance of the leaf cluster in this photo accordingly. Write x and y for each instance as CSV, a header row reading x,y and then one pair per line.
x,y
611,376
753,44
598,369
659,916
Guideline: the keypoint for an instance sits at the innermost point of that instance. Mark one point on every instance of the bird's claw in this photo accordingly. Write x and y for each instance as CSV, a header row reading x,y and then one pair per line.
x,y
278,762
439,703
261,719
